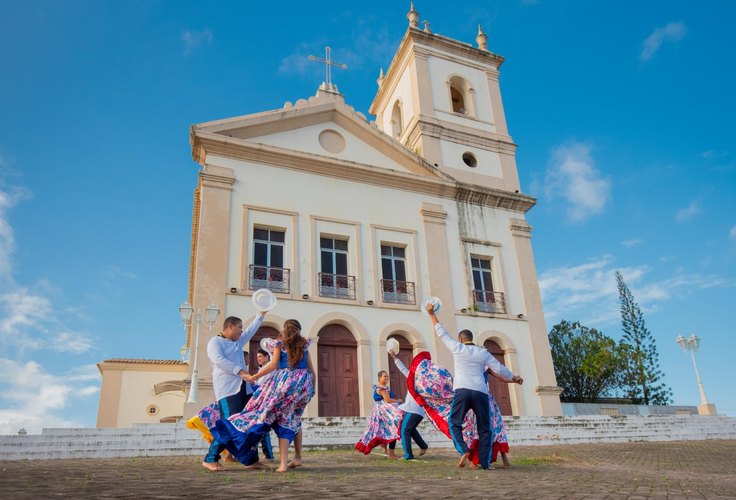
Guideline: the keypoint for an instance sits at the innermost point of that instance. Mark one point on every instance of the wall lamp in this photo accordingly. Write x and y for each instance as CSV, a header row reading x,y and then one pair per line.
x,y
370,302
233,290
520,315
463,310
305,296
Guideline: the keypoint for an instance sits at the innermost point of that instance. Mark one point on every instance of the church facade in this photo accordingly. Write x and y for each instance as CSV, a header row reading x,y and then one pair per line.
x,y
351,224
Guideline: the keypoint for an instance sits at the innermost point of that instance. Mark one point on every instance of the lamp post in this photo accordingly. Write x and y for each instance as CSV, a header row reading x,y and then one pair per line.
x,y
692,344
186,312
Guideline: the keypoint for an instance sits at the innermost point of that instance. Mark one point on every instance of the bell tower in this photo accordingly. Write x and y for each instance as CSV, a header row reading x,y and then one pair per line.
x,y
441,99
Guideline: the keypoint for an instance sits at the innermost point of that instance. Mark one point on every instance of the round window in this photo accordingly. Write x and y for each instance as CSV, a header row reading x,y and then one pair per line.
x,y
331,141
152,410
470,160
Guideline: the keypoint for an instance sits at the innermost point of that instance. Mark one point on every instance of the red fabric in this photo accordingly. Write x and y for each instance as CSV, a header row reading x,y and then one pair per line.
x,y
498,447
366,449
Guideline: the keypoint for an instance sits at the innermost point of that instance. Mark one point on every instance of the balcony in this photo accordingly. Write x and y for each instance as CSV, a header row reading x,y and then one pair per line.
x,y
337,286
275,279
489,302
398,292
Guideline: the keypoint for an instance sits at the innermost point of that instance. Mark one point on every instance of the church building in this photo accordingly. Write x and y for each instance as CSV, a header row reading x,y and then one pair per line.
x,y
352,224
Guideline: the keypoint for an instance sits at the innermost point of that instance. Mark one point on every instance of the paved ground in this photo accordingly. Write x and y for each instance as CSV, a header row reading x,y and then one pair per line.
x,y
689,469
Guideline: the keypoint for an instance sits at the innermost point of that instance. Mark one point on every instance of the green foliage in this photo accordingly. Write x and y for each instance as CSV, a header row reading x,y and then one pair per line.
x,y
642,376
588,364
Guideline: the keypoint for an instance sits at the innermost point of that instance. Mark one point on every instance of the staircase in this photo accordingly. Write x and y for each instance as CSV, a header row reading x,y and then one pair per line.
x,y
344,432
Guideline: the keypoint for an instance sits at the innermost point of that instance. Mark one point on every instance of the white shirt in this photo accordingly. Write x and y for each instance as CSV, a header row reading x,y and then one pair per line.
x,y
471,362
227,360
409,405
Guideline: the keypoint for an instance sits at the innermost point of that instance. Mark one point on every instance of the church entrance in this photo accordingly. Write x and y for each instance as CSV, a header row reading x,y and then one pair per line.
x,y
397,381
500,390
255,344
337,376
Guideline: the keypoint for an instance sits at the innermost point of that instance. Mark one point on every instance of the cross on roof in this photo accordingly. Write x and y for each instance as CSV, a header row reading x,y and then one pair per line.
x,y
328,66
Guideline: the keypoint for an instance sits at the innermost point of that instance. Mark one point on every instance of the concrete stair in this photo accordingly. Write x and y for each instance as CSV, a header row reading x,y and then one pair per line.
x,y
344,432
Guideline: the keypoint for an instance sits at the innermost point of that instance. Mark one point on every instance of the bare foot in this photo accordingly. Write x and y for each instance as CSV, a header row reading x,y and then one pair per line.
x,y
464,460
392,455
297,462
422,452
213,466
257,465
228,458
473,466
506,463
282,469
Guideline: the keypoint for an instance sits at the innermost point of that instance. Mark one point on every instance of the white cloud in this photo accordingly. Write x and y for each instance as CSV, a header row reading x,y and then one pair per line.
x,y
688,212
670,33
195,39
588,293
631,243
572,176
29,322
732,233
32,398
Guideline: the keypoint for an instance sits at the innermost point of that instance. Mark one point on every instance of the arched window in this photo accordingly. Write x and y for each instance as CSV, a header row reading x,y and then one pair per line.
x,y
460,98
397,125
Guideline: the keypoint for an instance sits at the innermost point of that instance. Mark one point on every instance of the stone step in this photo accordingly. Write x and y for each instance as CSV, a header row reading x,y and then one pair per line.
x,y
335,432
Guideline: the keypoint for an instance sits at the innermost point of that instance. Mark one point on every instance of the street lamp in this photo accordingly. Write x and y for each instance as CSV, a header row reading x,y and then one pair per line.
x,y
692,344
186,312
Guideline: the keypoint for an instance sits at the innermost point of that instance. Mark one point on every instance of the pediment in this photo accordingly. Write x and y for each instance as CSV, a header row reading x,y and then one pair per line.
x,y
321,127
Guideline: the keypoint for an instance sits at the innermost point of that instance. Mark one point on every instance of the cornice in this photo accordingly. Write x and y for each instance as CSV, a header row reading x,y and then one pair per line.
x,y
432,127
445,187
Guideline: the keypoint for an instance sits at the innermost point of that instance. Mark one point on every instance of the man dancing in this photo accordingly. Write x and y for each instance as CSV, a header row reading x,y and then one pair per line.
x,y
470,389
413,415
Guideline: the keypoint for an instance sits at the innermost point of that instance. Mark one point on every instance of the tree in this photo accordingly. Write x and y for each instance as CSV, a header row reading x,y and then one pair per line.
x,y
588,364
642,376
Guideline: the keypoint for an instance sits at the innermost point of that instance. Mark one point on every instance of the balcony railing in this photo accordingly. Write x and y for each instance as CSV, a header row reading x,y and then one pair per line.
x,y
489,302
398,292
337,286
275,279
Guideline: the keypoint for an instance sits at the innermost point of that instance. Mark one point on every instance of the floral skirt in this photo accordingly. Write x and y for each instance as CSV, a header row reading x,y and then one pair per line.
x,y
383,427
278,405
431,387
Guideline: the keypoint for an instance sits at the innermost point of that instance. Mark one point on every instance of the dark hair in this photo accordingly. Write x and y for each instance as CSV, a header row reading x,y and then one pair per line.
x,y
263,352
293,341
382,371
465,336
231,320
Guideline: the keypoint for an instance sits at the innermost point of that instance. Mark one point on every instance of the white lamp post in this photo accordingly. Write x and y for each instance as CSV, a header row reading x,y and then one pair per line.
x,y
186,311
692,344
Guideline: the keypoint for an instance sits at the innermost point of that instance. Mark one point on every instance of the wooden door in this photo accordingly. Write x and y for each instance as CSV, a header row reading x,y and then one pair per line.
x,y
255,344
337,394
499,389
397,381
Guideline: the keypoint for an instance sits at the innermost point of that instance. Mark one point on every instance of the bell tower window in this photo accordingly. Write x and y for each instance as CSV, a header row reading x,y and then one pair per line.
x,y
460,96
397,125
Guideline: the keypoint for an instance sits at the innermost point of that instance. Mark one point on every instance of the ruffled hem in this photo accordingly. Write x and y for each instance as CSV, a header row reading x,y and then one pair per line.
x,y
498,448
241,445
376,441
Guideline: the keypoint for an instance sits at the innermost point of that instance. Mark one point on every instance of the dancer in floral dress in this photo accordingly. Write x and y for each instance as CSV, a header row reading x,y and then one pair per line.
x,y
280,403
383,425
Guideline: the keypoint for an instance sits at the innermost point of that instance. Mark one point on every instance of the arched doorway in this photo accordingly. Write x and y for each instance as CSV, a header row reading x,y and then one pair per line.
x,y
499,389
337,376
255,344
397,381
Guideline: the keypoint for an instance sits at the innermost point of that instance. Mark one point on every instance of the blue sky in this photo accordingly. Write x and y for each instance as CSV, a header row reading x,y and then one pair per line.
x,y
623,112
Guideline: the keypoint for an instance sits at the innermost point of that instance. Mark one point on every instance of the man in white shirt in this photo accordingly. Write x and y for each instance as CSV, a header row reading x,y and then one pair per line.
x,y
470,389
413,415
228,376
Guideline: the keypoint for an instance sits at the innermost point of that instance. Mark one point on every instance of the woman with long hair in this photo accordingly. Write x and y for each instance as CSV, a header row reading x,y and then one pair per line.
x,y
280,403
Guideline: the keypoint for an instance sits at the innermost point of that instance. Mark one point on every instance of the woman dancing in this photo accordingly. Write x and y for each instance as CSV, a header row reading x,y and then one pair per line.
x,y
280,403
383,426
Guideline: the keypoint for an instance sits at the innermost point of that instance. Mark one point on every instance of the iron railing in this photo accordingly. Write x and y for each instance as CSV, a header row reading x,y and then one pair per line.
x,y
275,279
337,286
398,292
489,302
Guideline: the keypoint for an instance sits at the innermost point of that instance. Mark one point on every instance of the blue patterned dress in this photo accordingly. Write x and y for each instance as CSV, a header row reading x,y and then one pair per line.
x,y
383,425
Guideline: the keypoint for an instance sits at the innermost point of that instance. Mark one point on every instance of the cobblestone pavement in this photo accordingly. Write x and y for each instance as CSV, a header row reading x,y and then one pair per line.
x,y
688,469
